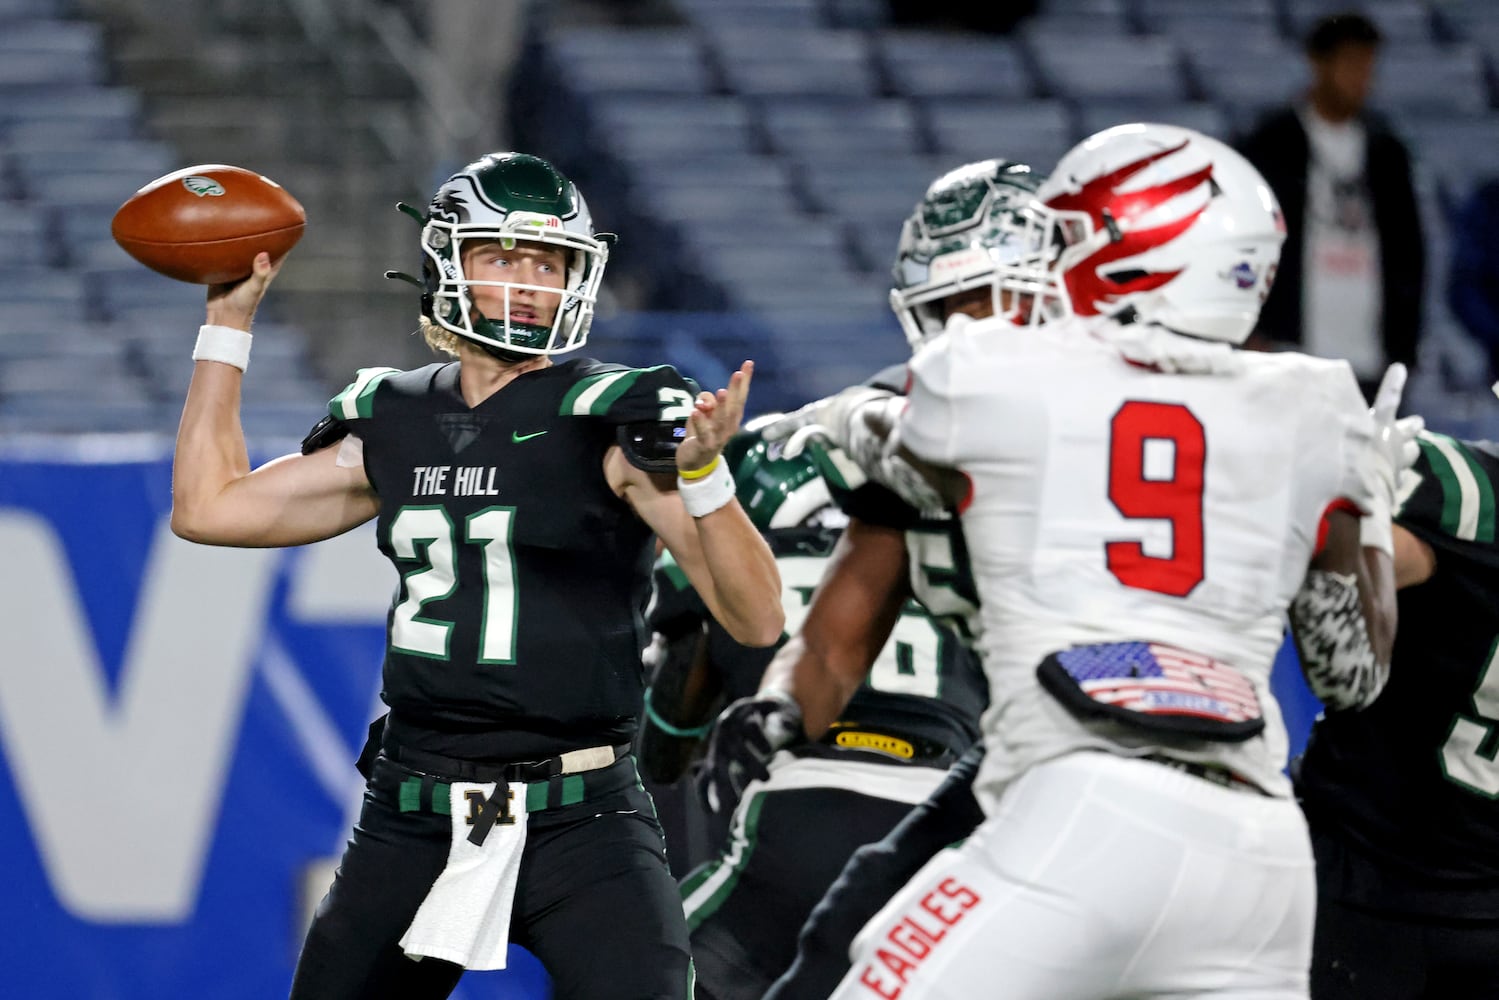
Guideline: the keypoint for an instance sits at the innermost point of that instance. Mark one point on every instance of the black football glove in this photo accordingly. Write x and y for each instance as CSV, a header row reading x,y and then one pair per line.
x,y
746,735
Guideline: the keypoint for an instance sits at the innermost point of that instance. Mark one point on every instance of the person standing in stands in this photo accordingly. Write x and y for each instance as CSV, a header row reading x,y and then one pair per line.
x,y
519,500
1353,269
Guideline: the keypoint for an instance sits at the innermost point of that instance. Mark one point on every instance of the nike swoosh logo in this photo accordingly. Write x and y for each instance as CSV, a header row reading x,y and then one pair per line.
x,y
517,437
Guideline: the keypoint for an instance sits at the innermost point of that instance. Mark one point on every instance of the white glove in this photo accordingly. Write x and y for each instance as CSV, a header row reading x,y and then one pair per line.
x,y
830,419
1394,450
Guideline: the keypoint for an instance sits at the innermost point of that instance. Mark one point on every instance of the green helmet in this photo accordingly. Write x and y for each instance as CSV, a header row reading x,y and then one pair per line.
x,y
776,492
506,197
968,231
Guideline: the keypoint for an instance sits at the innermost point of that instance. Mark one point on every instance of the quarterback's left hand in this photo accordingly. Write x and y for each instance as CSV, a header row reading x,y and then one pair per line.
x,y
714,419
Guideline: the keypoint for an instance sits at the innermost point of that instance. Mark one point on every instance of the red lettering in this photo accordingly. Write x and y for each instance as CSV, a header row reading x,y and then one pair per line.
x,y
936,906
931,935
964,896
895,963
870,978
904,936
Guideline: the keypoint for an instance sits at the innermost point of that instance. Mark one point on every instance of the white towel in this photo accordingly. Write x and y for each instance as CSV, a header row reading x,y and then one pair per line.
x,y
466,915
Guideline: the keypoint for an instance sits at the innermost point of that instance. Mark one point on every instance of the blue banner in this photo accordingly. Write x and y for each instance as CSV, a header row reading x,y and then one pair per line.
x,y
179,725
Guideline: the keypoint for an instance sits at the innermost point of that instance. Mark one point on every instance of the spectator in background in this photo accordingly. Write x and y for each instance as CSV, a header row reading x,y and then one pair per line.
x,y
1353,267
1473,281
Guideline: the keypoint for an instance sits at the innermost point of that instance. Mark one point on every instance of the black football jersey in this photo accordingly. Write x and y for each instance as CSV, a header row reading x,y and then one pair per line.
x,y
1413,780
926,682
516,630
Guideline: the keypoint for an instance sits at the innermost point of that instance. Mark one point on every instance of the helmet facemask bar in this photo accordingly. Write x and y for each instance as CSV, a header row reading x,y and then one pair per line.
x,y
1013,257
965,235
453,305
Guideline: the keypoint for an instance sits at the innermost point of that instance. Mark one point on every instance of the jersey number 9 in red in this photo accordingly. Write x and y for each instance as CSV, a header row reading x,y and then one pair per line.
x,y
1166,487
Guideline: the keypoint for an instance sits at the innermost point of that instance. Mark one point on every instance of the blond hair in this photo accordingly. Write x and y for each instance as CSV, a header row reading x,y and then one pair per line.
x,y
440,339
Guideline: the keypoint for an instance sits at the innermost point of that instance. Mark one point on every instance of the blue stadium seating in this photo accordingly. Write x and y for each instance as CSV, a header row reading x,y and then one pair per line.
x,y
774,62
933,65
1084,68
1034,132
813,123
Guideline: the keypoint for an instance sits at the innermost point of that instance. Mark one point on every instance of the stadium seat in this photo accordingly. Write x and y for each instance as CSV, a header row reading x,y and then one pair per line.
x,y
1085,68
23,236
1209,119
1399,21
1247,76
1454,152
876,126
597,61
658,127
26,69
101,111
1033,132
1075,18
1429,79
144,158
930,65
825,62
710,14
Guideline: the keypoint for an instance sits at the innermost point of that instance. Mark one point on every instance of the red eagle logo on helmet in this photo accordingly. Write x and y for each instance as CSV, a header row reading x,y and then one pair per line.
x,y
1113,210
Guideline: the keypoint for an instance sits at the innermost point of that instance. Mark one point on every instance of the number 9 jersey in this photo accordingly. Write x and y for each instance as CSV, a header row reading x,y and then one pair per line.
x,y
516,629
1112,501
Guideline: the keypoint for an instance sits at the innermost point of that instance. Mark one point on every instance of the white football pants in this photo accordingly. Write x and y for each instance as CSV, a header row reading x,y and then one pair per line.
x,y
1101,877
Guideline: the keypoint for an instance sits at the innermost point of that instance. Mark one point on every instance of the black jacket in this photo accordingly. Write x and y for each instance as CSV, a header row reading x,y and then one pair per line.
x,y
1279,148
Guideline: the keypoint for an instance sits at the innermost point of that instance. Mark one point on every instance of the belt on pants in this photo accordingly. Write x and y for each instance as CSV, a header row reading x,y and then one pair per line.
x,y
550,784
1215,773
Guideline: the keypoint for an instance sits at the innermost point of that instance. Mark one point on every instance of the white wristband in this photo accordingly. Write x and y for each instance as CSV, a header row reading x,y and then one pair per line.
x,y
703,496
224,344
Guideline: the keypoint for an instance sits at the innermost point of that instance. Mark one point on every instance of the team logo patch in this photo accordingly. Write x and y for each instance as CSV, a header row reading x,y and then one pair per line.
x,y
1242,275
203,187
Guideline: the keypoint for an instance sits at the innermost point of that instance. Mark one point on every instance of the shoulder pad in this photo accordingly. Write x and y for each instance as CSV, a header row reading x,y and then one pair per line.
x,y
323,433
631,395
357,401
1453,493
650,444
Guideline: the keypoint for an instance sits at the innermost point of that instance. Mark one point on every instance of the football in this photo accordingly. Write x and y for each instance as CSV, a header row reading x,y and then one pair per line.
x,y
205,224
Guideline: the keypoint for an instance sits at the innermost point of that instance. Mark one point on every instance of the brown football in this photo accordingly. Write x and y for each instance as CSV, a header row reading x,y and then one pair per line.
x,y
205,224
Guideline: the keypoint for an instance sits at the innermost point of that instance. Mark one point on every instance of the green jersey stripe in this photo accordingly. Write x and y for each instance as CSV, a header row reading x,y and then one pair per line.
x,y
359,398
1467,496
1485,528
580,399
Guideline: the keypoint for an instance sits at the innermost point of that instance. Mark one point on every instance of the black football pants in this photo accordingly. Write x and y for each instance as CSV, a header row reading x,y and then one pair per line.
x,y
595,901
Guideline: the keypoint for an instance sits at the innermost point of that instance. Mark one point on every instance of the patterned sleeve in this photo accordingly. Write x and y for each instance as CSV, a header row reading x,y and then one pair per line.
x,y
1447,498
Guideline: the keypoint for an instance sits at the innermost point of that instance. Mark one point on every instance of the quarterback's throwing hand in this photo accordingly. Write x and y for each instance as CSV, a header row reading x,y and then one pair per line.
x,y
746,736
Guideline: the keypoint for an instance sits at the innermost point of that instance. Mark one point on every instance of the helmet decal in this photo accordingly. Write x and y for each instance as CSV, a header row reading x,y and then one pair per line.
x,y
1091,288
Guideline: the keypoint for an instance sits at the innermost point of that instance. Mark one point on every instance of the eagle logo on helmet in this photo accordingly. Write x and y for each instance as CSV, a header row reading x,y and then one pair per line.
x,y
1115,211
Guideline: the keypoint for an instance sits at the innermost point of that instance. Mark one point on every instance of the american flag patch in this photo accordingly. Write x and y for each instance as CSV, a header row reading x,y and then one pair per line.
x,y
1155,679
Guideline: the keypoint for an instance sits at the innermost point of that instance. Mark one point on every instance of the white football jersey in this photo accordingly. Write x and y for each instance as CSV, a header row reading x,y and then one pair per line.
x,y
1111,502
